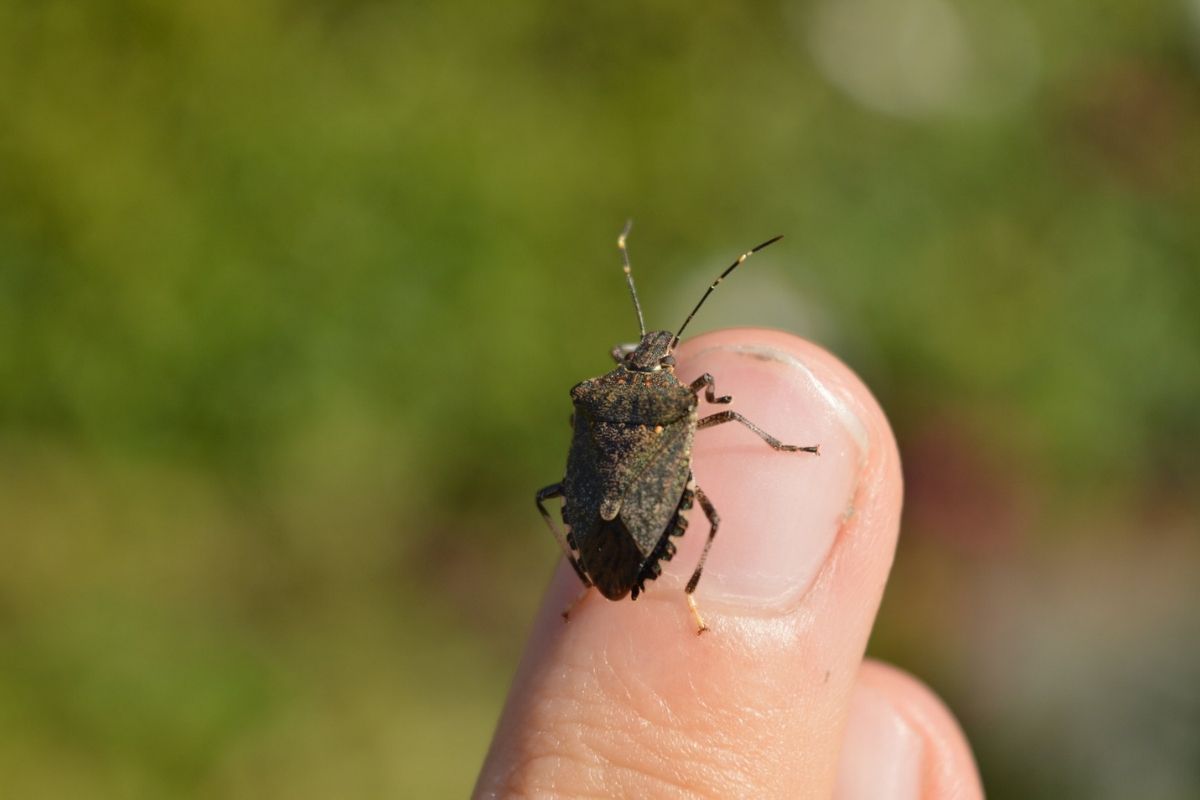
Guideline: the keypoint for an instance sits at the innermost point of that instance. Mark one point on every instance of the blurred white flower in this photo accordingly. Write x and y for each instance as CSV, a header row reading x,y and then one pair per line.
x,y
917,58
1192,9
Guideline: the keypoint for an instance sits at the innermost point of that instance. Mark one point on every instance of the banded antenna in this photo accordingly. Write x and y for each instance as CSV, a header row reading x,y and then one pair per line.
x,y
717,283
629,277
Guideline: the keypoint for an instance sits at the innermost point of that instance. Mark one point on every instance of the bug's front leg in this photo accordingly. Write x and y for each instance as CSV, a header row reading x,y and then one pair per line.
x,y
732,416
619,352
708,384
549,492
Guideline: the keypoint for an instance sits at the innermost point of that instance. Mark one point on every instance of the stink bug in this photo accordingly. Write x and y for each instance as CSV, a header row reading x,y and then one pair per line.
x,y
629,471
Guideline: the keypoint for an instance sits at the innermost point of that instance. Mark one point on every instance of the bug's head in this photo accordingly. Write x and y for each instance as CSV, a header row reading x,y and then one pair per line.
x,y
653,353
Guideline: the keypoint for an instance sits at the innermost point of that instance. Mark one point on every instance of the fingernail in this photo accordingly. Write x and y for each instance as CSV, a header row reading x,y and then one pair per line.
x,y
780,512
881,753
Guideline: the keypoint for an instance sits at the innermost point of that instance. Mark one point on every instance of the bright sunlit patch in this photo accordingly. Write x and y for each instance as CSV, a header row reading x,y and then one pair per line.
x,y
1193,13
917,58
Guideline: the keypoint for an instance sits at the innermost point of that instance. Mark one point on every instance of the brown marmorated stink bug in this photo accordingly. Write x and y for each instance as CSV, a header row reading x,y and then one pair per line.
x,y
629,471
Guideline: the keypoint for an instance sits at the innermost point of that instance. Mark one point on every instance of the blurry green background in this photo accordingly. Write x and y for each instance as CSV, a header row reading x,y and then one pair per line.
x,y
291,295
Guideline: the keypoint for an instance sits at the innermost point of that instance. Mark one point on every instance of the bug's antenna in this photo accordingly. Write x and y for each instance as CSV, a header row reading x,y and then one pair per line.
x,y
629,277
717,282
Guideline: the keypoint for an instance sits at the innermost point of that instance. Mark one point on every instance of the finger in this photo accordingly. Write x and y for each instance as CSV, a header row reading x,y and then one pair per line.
x,y
902,743
626,699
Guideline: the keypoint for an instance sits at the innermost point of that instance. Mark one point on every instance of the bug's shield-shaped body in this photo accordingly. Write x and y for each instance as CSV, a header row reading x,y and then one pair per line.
x,y
628,468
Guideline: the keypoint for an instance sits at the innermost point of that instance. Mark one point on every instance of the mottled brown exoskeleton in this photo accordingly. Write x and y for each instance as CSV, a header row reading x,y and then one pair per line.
x,y
629,470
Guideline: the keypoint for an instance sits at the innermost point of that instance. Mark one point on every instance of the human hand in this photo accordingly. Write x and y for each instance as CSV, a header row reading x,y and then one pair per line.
x,y
625,700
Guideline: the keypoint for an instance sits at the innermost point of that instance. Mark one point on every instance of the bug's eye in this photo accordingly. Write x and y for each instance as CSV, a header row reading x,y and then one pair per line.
x,y
667,361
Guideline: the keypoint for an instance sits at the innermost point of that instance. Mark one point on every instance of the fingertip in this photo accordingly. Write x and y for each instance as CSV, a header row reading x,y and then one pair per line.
x,y
902,741
785,515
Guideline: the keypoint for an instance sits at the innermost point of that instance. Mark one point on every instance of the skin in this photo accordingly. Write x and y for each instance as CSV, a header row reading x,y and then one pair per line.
x,y
626,700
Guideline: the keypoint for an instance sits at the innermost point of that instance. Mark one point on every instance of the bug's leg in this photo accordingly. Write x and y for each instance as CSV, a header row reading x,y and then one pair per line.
x,y
621,351
708,384
732,416
714,522
701,625
556,490
566,612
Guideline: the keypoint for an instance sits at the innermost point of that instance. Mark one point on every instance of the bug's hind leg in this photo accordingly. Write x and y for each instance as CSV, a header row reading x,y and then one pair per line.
x,y
566,612
722,417
548,493
701,625
714,522
552,491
